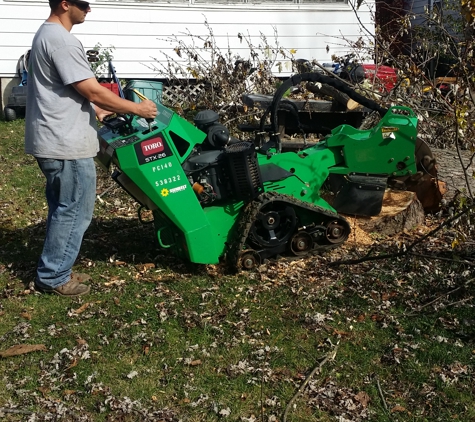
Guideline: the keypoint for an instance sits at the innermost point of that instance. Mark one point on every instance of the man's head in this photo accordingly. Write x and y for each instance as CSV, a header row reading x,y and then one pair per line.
x,y
74,11
83,5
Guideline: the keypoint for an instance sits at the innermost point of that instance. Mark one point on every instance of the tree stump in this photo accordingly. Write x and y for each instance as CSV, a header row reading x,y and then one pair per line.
x,y
401,211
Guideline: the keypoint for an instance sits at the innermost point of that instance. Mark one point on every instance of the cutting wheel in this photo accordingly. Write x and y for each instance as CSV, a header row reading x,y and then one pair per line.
x,y
425,159
424,183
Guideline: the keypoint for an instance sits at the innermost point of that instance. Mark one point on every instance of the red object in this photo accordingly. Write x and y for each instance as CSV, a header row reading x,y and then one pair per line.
x,y
111,87
386,75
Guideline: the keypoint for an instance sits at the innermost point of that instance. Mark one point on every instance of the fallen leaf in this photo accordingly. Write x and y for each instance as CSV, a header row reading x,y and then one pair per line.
x,y
81,342
44,391
398,408
340,333
363,398
145,267
82,308
132,374
73,364
26,315
114,283
21,349
120,263
68,392
195,362
376,317
225,412
387,296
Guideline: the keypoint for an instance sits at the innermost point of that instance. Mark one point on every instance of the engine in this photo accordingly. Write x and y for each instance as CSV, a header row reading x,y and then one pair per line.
x,y
222,167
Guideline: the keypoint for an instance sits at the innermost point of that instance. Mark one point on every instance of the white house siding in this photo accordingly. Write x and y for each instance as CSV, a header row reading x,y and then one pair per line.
x,y
140,32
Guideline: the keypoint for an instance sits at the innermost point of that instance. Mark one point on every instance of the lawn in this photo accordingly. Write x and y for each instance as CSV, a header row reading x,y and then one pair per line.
x,y
160,340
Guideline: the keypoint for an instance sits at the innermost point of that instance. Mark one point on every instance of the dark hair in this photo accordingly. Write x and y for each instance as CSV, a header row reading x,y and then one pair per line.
x,y
53,4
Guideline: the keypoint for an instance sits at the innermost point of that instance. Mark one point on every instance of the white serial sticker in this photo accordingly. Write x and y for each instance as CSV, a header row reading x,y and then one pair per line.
x,y
178,189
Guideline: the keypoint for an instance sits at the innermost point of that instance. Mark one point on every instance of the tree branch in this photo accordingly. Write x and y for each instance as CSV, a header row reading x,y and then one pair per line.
x,y
329,356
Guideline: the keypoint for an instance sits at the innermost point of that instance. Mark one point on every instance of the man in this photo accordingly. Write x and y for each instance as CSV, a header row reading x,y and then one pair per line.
x,y
61,135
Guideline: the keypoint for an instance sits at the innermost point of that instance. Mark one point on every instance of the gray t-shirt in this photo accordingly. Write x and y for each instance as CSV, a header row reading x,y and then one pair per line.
x,y
60,122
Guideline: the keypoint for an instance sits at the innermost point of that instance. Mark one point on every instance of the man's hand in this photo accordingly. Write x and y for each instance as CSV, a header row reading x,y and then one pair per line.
x,y
101,113
147,109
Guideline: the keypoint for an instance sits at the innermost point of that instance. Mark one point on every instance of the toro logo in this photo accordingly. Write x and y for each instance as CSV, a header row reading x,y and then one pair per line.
x,y
152,146
152,149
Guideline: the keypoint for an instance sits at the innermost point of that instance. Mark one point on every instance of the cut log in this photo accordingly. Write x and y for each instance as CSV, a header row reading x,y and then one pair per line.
x,y
352,105
327,90
401,211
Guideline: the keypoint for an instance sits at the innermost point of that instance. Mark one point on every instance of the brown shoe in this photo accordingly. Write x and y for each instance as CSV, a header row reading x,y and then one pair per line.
x,y
72,288
80,277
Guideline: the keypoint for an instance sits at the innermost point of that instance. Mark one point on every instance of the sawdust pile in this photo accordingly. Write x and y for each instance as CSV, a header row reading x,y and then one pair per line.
x,y
358,236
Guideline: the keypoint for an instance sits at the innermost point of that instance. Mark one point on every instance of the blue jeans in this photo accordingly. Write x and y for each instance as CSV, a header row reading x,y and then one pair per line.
x,y
70,193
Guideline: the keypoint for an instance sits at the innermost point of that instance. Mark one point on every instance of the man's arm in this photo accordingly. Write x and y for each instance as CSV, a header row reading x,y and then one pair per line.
x,y
107,100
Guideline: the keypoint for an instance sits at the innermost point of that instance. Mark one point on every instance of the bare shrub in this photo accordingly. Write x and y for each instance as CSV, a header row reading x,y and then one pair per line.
x,y
204,76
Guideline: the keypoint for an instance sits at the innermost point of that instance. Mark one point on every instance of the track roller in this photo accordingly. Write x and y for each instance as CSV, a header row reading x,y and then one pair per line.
x,y
249,259
336,232
301,243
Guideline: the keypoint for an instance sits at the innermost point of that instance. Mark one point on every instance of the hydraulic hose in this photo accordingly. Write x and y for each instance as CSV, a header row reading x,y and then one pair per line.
x,y
317,77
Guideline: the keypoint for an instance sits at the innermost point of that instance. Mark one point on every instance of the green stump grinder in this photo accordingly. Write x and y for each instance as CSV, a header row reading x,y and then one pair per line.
x,y
214,197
